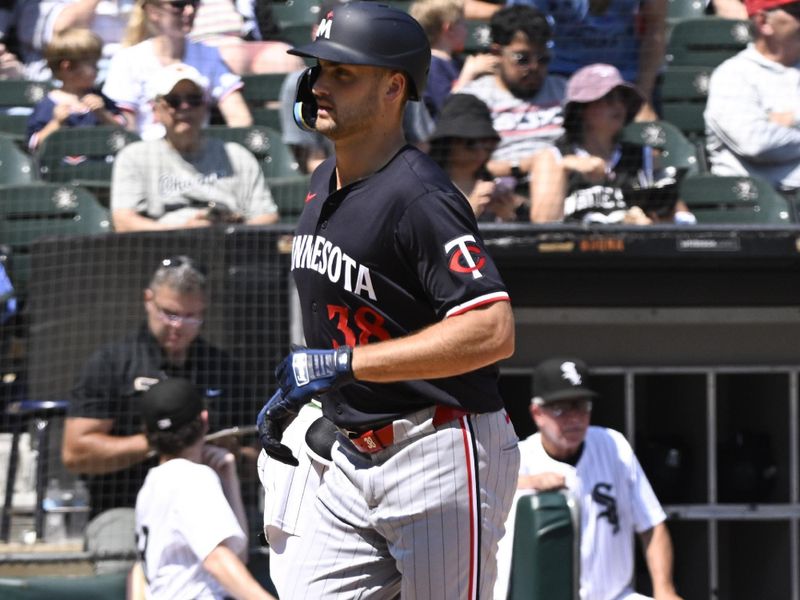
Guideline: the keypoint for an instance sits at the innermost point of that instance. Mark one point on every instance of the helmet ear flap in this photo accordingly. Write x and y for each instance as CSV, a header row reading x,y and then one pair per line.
x,y
305,105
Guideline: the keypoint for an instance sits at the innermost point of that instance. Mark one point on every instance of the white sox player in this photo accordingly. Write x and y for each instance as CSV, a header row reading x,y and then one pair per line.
x,y
599,468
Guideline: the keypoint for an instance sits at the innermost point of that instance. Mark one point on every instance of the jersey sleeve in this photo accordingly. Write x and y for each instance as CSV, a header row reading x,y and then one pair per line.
x,y
205,518
439,237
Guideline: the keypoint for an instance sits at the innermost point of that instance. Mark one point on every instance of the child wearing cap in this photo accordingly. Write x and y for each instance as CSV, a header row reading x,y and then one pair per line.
x,y
588,176
190,521
72,57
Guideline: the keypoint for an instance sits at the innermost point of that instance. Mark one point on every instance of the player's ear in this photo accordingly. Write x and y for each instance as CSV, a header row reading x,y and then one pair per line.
x,y
397,85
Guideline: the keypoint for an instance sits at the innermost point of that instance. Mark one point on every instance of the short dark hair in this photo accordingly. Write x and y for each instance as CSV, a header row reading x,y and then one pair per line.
x,y
510,19
172,443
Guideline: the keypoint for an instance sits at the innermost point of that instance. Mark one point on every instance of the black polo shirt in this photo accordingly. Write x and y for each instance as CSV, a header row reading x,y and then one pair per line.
x,y
114,378
384,257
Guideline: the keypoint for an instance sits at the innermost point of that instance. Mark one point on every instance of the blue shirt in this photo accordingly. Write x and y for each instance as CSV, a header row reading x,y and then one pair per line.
x,y
43,113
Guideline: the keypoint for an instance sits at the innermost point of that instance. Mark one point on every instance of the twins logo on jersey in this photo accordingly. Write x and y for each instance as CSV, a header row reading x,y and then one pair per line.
x,y
467,256
601,496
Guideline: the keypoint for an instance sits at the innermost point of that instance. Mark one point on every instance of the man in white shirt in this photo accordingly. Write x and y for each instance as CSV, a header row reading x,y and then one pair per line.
x,y
600,470
752,115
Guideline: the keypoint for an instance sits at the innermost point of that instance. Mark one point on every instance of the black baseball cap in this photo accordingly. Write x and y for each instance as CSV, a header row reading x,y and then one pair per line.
x,y
171,403
561,379
464,116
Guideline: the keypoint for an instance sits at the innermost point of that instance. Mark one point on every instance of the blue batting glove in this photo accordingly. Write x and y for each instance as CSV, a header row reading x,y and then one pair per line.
x,y
306,373
273,419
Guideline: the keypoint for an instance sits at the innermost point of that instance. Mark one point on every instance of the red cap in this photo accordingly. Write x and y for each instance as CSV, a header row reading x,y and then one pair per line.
x,y
755,6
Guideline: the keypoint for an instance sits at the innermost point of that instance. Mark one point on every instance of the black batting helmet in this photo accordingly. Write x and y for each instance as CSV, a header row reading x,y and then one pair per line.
x,y
368,33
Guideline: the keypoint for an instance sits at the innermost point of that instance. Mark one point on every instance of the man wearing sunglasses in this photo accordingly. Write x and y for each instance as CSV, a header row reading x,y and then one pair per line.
x,y
752,116
103,436
600,470
186,179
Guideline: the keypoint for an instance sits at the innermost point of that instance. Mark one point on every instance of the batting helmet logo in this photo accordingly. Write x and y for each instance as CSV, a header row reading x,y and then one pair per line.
x,y
467,258
324,29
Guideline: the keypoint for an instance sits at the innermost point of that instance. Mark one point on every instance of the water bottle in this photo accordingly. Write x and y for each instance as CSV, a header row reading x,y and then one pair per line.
x,y
79,515
55,528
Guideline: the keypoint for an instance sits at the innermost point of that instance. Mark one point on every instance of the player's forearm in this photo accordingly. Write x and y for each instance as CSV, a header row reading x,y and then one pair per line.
x,y
658,554
231,573
98,453
451,347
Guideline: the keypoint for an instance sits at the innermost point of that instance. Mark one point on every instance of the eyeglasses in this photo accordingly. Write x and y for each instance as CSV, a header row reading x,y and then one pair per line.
x,y
175,101
562,407
524,59
171,318
178,6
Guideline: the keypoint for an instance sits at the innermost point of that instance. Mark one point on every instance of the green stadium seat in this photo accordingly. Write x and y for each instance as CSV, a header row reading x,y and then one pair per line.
x,y
28,212
676,150
15,126
296,11
706,42
263,88
479,37
545,561
84,156
685,9
16,165
267,117
273,155
296,34
684,92
19,92
734,200
289,194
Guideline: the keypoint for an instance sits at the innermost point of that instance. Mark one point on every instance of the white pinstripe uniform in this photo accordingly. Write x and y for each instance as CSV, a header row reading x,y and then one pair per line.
x,y
615,500
181,516
420,515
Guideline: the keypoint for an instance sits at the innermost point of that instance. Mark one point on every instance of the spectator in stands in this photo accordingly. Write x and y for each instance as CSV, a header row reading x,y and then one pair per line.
x,y
629,34
729,9
186,179
586,175
103,437
461,144
600,470
156,36
72,57
190,504
752,118
524,99
444,24
219,23
10,66
107,18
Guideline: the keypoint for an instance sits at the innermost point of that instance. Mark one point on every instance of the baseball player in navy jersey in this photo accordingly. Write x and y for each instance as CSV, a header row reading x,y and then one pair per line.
x,y
599,468
405,315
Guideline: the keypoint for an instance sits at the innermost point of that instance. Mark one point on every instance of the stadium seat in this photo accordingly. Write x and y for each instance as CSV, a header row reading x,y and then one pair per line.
x,y
734,200
706,42
685,9
16,166
676,150
479,37
289,194
83,156
273,155
112,586
15,126
20,92
545,560
262,93
28,212
296,11
684,92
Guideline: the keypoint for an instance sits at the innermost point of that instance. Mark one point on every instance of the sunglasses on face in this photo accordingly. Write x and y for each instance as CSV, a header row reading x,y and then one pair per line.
x,y
524,59
175,101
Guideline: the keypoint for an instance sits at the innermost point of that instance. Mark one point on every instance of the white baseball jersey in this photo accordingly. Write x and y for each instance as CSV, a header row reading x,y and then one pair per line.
x,y
181,516
615,500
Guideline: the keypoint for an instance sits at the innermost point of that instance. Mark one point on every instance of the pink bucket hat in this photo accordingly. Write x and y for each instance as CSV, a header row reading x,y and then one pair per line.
x,y
592,82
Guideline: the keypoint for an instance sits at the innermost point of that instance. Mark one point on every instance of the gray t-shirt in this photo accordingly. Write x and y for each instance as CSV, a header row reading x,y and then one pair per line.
x,y
156,181
525,125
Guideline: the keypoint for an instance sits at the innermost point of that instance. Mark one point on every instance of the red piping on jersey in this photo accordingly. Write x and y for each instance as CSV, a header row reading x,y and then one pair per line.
x,y
481,303
473,551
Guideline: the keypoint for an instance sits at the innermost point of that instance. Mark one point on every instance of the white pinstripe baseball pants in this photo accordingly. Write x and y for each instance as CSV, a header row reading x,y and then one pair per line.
x,y
420,520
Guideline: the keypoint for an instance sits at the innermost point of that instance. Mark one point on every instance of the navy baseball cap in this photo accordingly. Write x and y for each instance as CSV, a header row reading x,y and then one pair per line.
x,y
561,379
171,403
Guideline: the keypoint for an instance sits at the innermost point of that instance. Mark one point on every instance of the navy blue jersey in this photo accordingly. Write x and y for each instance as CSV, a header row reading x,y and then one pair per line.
x,y
384,257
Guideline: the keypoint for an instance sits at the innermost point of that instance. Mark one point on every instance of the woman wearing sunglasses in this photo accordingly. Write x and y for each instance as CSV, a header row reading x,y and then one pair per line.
x,y
155,38
462,144
591,176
